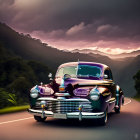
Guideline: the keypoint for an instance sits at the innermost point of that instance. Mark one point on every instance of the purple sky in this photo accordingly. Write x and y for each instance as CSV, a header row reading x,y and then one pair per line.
x,y
112,26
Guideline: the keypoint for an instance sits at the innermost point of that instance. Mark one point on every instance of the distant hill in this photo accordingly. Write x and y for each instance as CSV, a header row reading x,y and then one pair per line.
x,y
33,49
115,56
87,51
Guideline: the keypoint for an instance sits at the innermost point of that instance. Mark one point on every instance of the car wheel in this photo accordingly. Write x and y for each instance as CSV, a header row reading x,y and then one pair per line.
x,y
39,119
103,120
117,109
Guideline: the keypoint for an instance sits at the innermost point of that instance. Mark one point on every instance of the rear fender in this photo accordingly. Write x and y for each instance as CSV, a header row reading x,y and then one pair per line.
x,y
119,96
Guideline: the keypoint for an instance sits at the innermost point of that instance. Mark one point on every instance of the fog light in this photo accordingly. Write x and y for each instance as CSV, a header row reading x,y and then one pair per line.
x,y
43,104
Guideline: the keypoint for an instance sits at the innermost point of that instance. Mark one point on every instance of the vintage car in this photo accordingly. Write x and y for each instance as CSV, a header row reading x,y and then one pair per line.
x,y
80,90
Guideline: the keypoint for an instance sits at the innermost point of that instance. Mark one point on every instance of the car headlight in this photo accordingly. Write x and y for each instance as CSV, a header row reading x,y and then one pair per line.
x,y
94,97
94,94
34,93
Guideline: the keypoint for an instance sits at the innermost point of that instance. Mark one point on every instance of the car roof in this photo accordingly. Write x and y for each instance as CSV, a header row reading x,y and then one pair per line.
x,y
83,62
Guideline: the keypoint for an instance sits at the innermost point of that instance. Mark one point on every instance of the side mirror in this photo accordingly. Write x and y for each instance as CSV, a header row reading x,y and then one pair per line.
x,y
50,76
105,76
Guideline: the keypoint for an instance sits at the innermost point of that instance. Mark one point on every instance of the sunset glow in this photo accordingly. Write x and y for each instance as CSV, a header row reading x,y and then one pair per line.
x,y
77,25
109,47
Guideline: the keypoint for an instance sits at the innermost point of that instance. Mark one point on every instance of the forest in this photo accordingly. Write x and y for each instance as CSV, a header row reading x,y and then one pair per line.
x,y
17,76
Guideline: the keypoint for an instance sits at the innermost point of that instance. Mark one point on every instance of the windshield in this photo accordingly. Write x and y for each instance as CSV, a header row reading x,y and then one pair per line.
x,y
83,71
71,70
89,71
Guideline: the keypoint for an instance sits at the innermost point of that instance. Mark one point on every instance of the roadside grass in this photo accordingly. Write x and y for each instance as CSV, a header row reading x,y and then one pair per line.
x,y
14,109
137,97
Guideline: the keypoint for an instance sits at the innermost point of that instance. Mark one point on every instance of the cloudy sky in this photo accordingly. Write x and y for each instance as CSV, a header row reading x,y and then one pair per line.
x,y
112,26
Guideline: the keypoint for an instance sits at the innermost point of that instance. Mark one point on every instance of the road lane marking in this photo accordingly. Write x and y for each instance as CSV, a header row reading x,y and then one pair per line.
x,y
16,120
127,102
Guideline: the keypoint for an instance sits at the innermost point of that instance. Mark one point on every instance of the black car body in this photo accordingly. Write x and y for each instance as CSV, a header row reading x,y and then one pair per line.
x,y
82,90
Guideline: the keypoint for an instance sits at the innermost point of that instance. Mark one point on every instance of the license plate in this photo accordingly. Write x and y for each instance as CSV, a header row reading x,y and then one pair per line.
x,y
60,116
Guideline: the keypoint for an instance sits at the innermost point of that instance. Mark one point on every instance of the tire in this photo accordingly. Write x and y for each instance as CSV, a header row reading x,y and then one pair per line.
x,y
39,119
117,109
123,101
103,120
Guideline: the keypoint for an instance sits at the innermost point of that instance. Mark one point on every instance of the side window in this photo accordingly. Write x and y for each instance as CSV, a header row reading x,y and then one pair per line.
x,y
108,73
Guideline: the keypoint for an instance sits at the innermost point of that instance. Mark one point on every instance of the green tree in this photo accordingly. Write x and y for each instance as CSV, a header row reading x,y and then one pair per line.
x,y
3,98
18,76
12,99
41,71
21,86
137,82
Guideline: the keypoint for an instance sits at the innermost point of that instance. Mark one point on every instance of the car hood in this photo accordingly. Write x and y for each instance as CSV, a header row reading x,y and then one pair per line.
x,y
76,81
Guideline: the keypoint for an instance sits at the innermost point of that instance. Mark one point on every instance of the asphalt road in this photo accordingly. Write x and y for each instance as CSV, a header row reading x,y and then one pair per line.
x,y
123,126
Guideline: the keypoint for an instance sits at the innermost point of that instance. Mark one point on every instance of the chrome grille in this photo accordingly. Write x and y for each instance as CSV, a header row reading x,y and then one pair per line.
x,y
57,106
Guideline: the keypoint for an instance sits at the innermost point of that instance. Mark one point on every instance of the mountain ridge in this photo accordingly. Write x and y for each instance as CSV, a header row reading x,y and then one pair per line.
x,y
112,56
33,49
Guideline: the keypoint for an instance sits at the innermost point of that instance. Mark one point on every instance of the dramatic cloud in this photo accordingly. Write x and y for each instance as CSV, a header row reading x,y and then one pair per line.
x,y
75,29
68,24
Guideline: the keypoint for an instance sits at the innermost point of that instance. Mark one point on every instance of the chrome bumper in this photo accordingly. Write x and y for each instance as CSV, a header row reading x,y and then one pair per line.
x,y
71,115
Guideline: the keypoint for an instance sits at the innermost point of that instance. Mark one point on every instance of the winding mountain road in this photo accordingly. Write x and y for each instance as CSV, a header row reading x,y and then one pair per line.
x,y
123,126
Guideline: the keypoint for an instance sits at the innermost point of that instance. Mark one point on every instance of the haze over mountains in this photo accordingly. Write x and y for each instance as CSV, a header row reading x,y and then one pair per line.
x,y
115,56
33,49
